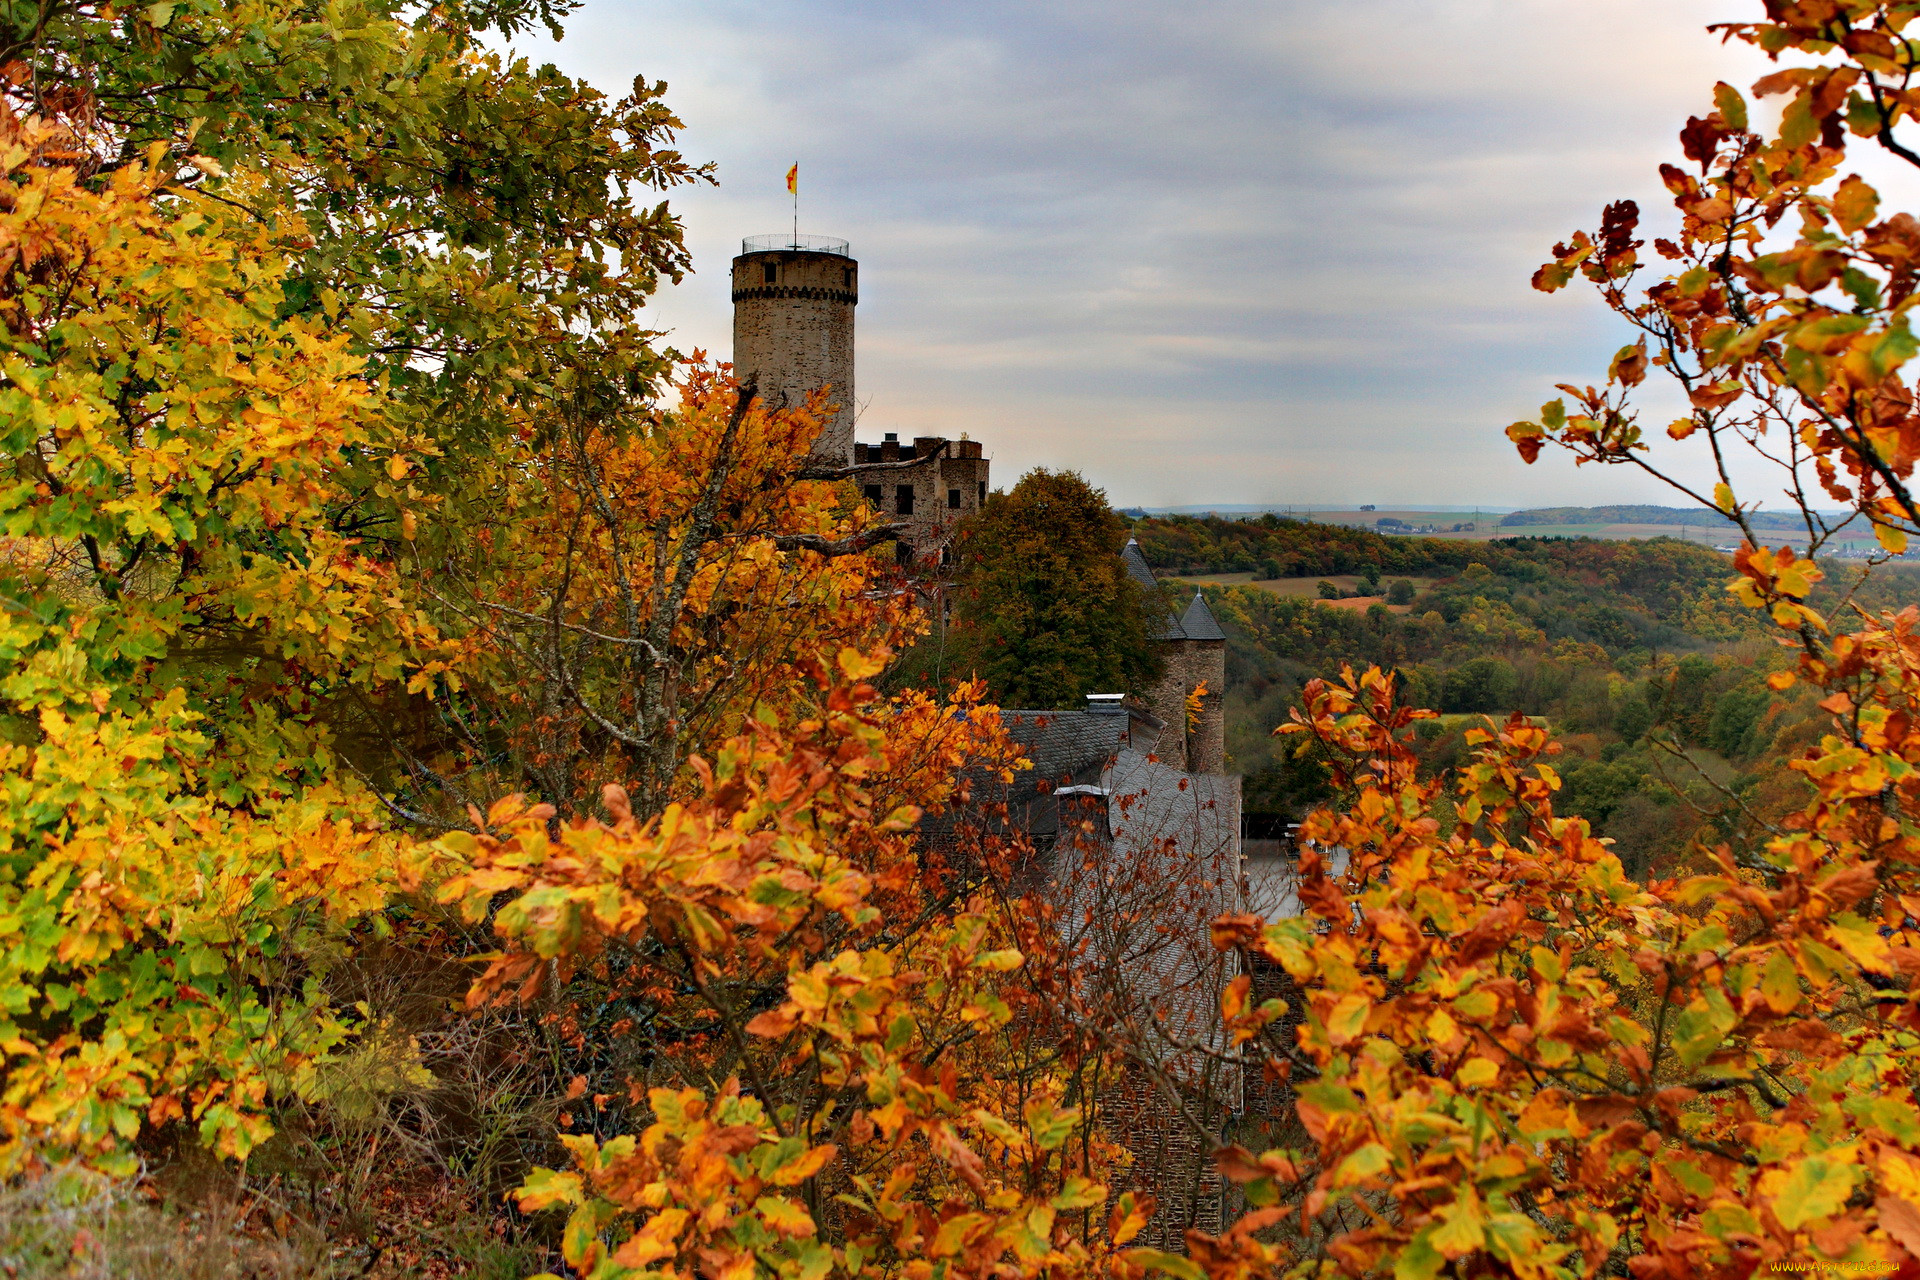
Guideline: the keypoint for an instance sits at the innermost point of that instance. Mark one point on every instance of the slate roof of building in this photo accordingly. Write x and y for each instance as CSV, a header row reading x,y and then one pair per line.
x,y
1140,572
1155,804
1064,744
1198,623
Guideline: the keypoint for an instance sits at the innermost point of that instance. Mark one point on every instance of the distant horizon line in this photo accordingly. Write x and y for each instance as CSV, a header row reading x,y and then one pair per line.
x,y
1250,508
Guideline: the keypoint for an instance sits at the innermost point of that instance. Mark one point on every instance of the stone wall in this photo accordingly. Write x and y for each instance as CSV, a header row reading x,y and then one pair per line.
x,y
793,329
1171,1162
946,486
1189,662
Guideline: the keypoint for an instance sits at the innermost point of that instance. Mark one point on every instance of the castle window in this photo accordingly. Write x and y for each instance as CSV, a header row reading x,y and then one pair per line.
x,y
846,276
953,499
946,553
983,493
903,499
874,495
902,554
772,272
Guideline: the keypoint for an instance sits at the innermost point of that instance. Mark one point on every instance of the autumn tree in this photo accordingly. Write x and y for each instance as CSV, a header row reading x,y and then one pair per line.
x,y
1043,608
359,586
1513,1058
278,279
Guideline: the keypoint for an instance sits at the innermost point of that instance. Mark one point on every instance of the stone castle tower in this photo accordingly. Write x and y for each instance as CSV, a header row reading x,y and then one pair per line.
x,y
1195,649
793,301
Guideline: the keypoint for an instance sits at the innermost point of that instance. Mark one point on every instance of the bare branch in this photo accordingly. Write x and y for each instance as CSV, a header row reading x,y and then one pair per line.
x,y
861,468
852,544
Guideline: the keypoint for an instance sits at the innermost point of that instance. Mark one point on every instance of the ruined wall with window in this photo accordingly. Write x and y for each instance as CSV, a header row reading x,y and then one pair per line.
x,y
946,483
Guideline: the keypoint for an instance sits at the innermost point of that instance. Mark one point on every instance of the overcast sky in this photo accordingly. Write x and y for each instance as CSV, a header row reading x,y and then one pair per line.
x,y
1221,251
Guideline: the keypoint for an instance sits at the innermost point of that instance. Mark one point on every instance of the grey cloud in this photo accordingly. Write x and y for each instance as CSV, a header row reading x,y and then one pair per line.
x,y
1219,251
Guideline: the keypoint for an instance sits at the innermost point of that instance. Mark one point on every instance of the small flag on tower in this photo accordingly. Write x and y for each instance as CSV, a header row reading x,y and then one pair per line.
x,y
793,180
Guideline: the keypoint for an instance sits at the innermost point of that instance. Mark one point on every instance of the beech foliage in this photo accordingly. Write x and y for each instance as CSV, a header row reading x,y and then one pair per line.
x,y
371,580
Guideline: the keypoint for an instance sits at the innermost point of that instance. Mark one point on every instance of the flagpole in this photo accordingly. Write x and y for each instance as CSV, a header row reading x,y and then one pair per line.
x,y
796,206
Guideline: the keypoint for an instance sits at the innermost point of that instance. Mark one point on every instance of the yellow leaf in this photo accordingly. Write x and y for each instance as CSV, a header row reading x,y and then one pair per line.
x,y
1859,939
1817,1187
544,1188
396,467
1368,1162
1900,1174
1128,1220
1349,1017
1462,1230
1894,540
1723,496
955,1232
1780,983
654,1241
1477,1072
856,665
784,1216
792,1175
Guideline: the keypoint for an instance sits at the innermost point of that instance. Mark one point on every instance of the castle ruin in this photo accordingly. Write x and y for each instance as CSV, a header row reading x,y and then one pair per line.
x,y
793,303
1128,803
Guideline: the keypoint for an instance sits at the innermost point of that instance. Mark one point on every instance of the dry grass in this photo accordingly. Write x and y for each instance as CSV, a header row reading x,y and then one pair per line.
x,y
78,1228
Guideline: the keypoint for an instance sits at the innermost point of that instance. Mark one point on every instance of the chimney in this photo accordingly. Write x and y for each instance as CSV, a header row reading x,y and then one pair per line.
x,y
1106,704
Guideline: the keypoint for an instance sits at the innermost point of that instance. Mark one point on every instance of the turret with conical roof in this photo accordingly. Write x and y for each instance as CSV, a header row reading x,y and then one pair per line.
x,y
1195,651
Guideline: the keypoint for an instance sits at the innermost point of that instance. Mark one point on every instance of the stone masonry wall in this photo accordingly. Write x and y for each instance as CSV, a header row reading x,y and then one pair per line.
x,y
1189,662
946,487
793,328
1171,1162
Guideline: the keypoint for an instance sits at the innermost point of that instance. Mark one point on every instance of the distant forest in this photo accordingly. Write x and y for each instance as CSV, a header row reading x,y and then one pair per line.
x,y
1632,652
1634,513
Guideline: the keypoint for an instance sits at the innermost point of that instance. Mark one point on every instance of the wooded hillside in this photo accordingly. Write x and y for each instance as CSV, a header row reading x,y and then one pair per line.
x,y
1634,653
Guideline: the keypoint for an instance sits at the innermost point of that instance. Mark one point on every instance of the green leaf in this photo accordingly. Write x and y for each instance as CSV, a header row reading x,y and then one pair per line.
x,y
1419,1260
1895,348
1079,1193
1367,1162
1797,125
1690,1177
1051,1128
1727,1219
1731,106
1171,1263
1710,937
1700,1027
1780,983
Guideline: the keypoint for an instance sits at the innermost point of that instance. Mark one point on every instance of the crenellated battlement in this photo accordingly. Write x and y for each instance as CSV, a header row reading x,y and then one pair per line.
x,y
793,305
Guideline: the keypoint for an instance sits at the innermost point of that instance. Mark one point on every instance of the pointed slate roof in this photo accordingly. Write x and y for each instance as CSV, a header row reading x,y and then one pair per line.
x,y
1137,570
1198,623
